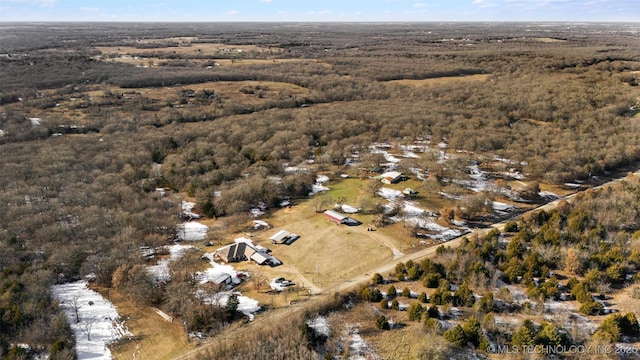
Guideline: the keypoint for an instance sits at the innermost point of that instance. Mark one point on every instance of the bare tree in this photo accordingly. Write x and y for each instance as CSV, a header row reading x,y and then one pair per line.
x,y
321,202
75,305
86,329
373,186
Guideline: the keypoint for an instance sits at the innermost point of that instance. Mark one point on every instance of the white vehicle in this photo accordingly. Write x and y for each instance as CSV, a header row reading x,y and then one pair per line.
x,y
279,284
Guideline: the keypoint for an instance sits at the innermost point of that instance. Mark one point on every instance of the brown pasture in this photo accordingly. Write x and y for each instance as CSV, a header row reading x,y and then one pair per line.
x,y
228,91
153,337
156,61
441,80
187,49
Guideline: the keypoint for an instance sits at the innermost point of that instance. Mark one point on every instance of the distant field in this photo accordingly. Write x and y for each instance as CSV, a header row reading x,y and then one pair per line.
x,y
548,40
441,80
185,49
156,61
229,93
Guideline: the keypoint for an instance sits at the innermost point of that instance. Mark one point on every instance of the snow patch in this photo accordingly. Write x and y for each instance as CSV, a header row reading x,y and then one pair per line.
x,y
347,209
436,231
322,179
389,194
318,187
216,270
192,231
187,210
99,321
320,325
358,348
160,271
259,224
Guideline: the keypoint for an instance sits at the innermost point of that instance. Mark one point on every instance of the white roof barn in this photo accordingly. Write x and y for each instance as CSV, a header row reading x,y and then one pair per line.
x,y
279,237
391,177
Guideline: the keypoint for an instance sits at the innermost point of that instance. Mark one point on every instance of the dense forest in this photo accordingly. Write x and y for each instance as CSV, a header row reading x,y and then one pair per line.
x,y
95,117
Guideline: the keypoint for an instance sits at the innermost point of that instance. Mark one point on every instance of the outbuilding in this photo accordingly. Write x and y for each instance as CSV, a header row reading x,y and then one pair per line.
x,y
391,177
339,218
279,237
335,216
221,281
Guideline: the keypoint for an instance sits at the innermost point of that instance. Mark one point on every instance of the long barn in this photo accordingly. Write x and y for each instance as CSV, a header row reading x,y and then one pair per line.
x,y
334,216
340,218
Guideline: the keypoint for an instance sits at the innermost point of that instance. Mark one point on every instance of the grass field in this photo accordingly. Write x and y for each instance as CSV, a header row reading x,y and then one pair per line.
x,y
156,61
73,109
441,80
153,337
327,253
186,48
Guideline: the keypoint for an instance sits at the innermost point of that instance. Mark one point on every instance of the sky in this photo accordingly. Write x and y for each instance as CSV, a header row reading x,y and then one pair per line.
x,y
320,10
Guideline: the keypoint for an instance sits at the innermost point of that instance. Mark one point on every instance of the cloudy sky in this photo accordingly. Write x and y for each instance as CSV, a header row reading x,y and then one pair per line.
x,y
319,10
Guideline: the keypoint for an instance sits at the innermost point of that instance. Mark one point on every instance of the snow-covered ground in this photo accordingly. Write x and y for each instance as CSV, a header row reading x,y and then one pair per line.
x,y
216,270
320,325
247,306
436,231
99,323
160,271
192,231
358,348
392,161
414,215
390,194
348,209
549,195
502,208
318,186
260,224
187,210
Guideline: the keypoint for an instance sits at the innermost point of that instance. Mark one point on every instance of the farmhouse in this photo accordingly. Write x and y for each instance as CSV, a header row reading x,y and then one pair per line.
x,y
240,251
341,218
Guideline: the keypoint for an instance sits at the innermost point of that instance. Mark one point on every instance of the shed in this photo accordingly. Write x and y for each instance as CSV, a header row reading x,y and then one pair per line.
x,y
279,237
260,258
391,177
221,281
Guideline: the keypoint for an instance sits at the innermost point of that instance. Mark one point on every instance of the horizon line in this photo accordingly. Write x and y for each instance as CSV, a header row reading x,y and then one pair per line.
x,y
318,21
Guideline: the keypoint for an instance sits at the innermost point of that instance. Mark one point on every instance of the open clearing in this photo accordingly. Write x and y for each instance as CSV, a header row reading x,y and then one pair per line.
x,y
441,80
210,49
153,337
153,61
228,94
